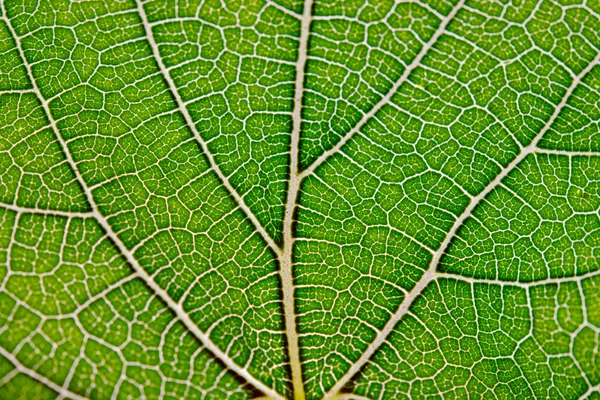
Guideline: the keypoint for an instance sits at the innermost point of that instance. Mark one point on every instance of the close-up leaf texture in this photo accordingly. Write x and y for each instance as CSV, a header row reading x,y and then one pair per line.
x,y
286,199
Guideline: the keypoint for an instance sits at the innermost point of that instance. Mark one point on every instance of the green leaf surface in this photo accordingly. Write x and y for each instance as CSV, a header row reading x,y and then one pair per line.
x,y
308,200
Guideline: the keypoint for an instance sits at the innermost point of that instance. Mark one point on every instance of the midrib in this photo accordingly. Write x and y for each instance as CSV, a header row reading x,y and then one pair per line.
x,y
286,256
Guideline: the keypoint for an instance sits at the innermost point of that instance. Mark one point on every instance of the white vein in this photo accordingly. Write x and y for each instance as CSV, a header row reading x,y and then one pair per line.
x,y
58,213
286,258
387,98
431,272
190,123
524,285
63,392
568,152
160,292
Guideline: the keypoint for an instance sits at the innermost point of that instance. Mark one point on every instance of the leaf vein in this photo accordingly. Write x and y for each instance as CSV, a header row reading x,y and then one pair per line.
x,y
190,123
386,99
159,291
431,273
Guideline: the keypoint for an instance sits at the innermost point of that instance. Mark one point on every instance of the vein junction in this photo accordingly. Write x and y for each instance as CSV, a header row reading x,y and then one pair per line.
x,y
165,235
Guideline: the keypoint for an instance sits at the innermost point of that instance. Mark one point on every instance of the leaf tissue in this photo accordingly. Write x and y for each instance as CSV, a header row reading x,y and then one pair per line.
x,y
286,199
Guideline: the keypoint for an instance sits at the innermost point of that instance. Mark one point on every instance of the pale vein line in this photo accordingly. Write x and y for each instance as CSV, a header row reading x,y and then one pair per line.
x,y
102,294
591,390
286,257
431,272
284,10
16,91
160,292
62,391
350,396
524,285
568,152
57,213
387,98
190,123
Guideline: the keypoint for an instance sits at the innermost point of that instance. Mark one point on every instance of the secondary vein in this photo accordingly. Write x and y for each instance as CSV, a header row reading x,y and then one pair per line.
x,y
39,211
385,99
60,390
431,273
143,274
190,123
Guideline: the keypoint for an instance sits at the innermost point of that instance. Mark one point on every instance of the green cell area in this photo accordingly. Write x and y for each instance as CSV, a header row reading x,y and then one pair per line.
x,y
251,149
257,28
454,342
368,187
541,222
125,343
363,244
35,172
160,357
560,319
412,167
568,33
23,387
150,181
13,75
576,127
519,92
57,264
142,107
6,368
357,51
466,114
225,279
345,294
203,251
487,341
563,30
233,68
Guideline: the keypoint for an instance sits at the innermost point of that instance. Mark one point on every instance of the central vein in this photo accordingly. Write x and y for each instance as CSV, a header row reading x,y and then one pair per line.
x,y
286,257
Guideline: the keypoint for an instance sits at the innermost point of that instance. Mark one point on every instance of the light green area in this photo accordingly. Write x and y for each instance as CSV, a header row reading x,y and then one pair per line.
x,y
67,315
72,262
22,387
490,341
104,174
578,125
152,184
357,51
541,222
232,64
36,174
378,208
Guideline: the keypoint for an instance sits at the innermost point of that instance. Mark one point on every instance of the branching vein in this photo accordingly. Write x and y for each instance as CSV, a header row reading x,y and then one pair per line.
x,y
386,99
190,123
431,274
160,292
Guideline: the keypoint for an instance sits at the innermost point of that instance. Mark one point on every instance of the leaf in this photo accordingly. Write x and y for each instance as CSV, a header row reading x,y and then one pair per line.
x,y
285,199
